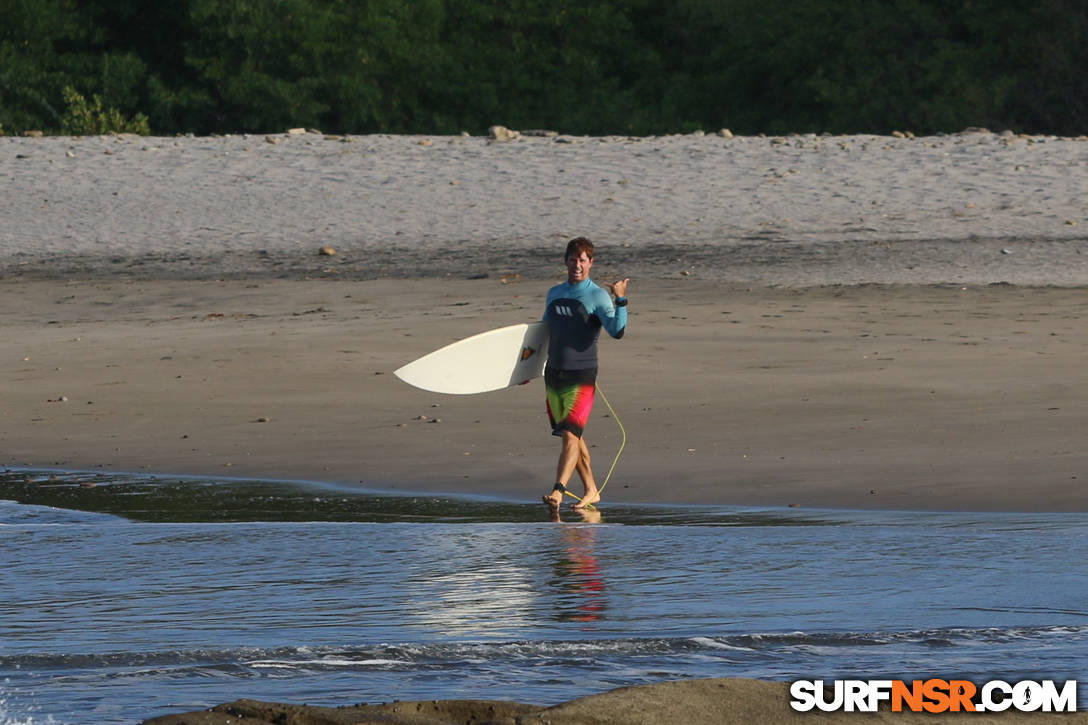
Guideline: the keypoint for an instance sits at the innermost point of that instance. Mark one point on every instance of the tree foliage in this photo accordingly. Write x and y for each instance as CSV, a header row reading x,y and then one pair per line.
x,y
90,118
579,66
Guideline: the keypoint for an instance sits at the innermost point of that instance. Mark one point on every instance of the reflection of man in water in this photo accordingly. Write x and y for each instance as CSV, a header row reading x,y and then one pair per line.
x,y
580,575
575,311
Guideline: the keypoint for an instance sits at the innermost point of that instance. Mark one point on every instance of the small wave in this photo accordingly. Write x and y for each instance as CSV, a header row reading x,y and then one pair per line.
x,y
415,654
14,514
949,636
712,643
520,669
330,662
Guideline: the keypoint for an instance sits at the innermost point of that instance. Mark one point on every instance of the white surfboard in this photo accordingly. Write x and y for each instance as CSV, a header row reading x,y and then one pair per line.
x,y
488,361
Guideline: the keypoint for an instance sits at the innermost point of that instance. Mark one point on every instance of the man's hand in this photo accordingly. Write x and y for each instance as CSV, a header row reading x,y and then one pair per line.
x,y
619,289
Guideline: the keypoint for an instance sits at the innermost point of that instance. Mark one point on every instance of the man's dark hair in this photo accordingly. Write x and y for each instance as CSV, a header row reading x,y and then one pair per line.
x,y
575,247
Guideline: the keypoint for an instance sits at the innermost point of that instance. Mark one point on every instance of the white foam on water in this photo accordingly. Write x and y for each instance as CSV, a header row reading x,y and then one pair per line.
x,y
329,662
11,718
711,643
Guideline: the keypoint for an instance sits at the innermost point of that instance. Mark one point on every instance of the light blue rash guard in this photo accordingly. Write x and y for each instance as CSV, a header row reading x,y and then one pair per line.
x,y
575,314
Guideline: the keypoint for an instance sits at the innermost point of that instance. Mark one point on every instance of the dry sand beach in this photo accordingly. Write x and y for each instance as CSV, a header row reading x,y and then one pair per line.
x,y
798,211
859,322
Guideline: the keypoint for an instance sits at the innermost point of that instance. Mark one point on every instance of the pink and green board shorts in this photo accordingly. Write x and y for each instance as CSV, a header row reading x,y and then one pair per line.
x,y
570,395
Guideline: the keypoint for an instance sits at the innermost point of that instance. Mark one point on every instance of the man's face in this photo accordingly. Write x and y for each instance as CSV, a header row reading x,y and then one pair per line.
x,y
578,267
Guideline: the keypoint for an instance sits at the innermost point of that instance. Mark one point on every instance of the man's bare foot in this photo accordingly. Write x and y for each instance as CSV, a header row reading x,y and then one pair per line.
x,y
553,500
587,501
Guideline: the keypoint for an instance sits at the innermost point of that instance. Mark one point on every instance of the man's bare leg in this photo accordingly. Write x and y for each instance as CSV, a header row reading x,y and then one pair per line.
x,y
592,495
569,458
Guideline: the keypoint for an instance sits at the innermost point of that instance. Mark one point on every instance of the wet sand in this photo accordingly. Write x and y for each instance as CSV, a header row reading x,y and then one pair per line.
x,y
934,397
722,702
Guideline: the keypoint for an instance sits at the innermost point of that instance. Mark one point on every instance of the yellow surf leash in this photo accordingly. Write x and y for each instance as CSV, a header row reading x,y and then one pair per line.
x,y
623,442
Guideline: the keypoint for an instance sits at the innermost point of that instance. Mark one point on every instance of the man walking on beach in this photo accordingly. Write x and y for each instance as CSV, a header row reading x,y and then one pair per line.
x,y
575,311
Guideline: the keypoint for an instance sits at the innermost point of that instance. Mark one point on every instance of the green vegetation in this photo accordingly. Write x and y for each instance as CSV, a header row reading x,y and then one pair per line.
x,y
577,66
83,118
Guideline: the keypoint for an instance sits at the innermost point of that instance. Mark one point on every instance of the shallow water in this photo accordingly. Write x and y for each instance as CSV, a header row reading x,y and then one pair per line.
x,y
141,596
